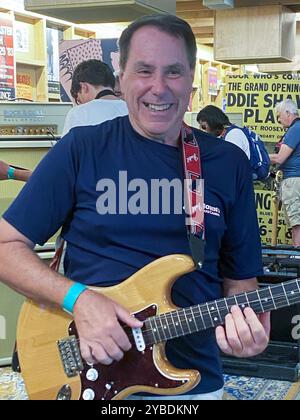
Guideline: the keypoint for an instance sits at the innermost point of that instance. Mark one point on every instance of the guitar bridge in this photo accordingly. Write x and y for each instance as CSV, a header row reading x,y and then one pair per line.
x,y
70,356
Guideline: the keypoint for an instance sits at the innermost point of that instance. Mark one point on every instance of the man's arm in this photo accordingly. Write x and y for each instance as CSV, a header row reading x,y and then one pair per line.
x,y
283,154
22,174
22,270
245,334
18,174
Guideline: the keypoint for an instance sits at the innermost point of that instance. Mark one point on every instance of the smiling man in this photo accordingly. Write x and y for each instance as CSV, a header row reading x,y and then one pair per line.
x,y
157,63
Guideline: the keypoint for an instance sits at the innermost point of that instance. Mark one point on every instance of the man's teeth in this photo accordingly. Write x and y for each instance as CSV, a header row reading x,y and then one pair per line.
x,y
159,107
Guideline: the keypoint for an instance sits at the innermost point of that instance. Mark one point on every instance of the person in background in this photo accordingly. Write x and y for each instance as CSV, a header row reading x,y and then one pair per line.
x,y
10,172
213,120
117,88
92,88
288,159
107,245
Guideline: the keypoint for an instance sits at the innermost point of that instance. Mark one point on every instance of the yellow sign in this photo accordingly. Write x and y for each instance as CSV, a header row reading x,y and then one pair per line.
x,y
265,212
256,97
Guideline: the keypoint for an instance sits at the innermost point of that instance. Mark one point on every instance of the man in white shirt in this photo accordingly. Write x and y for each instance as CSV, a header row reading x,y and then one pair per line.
x,y
92,88
212,120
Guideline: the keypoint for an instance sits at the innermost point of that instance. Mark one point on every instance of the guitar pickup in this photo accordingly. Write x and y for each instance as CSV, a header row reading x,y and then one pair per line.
x,y
70,356
139,339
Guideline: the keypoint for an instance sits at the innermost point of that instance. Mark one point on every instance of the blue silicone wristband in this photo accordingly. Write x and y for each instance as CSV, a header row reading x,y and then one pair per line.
x,y
11,173
71,297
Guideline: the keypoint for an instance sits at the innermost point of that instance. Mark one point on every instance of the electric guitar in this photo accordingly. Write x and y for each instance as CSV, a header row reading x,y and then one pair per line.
x,y
49,353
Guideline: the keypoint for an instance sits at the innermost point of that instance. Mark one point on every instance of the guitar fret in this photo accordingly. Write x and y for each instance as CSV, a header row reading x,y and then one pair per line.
x,y
187,321
287,300
157,328
228,310
246,296
214,314
220,318
168,330
271,293
195,322
149,330
291,289
159,318
265,299
279,296
241,301
223,309
259,300
154,329
230,303
253,301
212,322
174,326
202,318
178,323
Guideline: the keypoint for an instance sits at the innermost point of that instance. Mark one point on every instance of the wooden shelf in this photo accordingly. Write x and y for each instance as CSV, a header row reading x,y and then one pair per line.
x,y
31,63
31,50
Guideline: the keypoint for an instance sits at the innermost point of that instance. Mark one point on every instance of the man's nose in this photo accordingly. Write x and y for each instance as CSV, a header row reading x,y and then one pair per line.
x,y
158,84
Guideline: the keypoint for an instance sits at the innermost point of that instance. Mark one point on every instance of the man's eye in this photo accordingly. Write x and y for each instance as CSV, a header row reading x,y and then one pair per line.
x,y
144,71
174,73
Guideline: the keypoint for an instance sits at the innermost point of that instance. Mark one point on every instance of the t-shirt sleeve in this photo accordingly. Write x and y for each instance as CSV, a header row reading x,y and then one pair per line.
x,y
47,199
71,121
292,137
237,137
241,255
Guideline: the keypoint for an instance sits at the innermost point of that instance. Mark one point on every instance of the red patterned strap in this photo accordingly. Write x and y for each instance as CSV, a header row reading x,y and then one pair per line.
x,y
194,194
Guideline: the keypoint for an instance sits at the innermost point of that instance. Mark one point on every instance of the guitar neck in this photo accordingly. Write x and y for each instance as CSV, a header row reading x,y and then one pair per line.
x,y
209,315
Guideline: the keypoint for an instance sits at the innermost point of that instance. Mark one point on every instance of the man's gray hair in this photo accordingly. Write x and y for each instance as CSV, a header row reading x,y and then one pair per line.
x,y
287,106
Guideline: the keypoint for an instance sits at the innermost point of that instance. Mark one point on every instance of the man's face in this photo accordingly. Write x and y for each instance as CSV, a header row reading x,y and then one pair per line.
x,y
157,83
86,93
285,118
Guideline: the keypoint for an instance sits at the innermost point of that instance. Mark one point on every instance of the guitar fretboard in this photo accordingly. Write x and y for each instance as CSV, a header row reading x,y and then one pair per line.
x,y
209,315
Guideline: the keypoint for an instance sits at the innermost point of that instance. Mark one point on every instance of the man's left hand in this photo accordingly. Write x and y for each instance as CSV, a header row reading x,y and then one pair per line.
x,y
245,334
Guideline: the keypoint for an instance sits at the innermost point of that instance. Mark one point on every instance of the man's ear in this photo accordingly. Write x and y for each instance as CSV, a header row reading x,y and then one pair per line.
x,y
193,74
83,87
121,75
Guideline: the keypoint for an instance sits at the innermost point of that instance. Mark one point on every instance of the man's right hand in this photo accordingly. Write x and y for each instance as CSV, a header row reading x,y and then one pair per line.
x,y
102,339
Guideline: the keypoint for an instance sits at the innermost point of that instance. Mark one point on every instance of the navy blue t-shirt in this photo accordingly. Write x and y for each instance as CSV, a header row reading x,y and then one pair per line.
x,y
291,167
104,249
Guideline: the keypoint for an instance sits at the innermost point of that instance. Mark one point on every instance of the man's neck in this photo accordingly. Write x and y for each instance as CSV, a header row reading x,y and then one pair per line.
x,y
172,139
293,120
104,88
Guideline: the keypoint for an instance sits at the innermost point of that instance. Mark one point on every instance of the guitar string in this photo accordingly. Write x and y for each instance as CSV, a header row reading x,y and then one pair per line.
x,y
169,315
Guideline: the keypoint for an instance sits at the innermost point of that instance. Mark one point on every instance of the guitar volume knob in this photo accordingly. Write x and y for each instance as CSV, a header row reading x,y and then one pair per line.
x,y
92,375
88,395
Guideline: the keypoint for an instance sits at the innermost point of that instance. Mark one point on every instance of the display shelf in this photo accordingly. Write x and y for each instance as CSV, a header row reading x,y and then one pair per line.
x,y
30,46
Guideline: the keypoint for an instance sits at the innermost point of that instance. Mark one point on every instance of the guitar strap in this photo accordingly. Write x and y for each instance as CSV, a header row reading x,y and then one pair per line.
x,y
193,195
